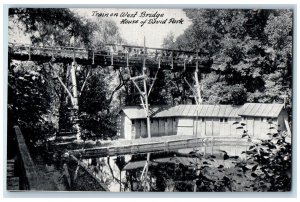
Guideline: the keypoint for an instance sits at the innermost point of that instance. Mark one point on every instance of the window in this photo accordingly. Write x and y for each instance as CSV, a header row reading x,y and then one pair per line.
x,y
133,122
223,120
203,119
151,120
263,119
166,120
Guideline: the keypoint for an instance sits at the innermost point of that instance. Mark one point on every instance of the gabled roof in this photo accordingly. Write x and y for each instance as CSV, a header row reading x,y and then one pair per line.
x,y
136,112
248,109
199,110
261,110
183,111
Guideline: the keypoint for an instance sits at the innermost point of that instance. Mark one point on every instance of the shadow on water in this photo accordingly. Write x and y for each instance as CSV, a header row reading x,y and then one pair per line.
x,y
168,171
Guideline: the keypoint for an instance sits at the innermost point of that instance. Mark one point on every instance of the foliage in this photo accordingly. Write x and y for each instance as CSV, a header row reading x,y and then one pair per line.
x,y
52,26
271,161
96,114
251,51
265,165
29,101
64,27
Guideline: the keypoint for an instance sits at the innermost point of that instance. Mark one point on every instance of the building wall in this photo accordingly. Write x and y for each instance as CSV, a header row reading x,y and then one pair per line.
x,y
249,121
158,127
178,126
259,127
120,126
208,127
144,132
281,120
199,126
124,127
204,126
136,128
185,126
154,128
216,126
161,127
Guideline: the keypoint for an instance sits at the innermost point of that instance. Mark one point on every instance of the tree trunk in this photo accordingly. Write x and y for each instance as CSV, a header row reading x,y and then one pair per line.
x,y
64,123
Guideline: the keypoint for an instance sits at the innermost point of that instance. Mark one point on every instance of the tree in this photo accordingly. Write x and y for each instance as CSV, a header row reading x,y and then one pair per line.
x,y
250,49
63,27
169,41
52,26
97,114
29,102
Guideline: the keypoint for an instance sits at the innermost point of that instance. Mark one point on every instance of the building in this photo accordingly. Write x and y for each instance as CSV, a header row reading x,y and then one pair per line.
x,y
261,119
203,120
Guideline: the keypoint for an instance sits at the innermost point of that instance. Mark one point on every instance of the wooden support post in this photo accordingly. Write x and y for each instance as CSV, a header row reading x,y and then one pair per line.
x,y
74,85
145,94
127,59
166,145
75,99
172,64
287,127
93,62
197,84
29,53
197,122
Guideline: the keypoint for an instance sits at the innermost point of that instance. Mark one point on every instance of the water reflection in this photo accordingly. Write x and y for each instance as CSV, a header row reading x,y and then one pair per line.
x,y
168,171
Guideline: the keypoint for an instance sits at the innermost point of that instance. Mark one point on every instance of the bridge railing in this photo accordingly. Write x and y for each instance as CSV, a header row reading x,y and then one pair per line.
x,y
123,57
26,167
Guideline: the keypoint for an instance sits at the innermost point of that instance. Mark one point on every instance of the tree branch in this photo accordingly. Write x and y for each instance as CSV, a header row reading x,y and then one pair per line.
x,y
62,83
116,89
84,83
193,91
153,82
111,171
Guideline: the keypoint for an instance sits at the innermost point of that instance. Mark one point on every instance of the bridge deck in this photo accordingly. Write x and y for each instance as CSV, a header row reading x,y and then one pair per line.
x,y
105,58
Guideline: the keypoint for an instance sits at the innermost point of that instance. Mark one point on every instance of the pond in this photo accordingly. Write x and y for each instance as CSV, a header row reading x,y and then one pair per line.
x,y
177,170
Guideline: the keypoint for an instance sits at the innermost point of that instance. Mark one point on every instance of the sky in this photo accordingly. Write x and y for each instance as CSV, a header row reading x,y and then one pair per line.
x,y
134,33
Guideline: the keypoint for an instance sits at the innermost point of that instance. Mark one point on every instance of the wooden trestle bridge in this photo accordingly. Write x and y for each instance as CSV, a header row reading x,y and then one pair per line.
x,y
141,58
114,55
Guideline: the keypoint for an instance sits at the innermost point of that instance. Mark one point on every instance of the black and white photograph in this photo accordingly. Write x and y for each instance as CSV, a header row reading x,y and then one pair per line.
x,y
184,99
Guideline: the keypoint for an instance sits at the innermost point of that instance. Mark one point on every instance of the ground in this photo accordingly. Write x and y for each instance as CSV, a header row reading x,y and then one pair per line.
x,y
50,179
